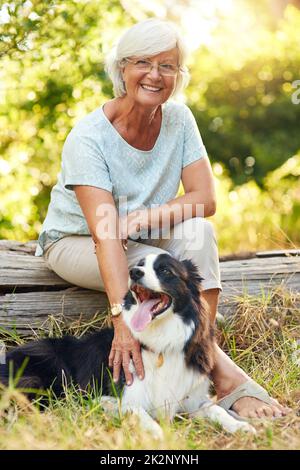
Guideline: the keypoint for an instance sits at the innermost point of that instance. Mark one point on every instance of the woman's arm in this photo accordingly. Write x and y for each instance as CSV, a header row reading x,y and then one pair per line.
x,y
198,180
99,209
199,199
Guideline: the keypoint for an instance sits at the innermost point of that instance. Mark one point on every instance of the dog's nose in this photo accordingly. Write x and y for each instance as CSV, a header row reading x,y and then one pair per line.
x,y
136,274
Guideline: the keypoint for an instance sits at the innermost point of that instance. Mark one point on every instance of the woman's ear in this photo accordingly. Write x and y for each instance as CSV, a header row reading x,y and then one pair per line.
x,y
122,70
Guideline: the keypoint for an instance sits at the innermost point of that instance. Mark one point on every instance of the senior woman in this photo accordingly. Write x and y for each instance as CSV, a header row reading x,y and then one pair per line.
x,y
136,148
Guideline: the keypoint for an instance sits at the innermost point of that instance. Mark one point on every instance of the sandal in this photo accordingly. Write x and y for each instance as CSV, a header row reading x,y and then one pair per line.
x,y
247,389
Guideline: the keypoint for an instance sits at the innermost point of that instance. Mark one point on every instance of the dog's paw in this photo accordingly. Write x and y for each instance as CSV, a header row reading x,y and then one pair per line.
x,y
156,431
240,426
147,423
109,404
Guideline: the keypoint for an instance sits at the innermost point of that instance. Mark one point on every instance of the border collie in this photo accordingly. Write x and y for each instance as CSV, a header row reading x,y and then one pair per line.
x,y
164,311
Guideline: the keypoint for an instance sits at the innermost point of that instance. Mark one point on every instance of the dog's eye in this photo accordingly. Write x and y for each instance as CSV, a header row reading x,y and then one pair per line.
x,y
165,271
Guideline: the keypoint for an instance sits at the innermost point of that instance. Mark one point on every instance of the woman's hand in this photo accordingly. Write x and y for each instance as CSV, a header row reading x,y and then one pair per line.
x,y
130,225
125,347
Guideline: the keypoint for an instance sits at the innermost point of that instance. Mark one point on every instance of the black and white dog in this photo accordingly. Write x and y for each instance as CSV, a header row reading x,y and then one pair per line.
x,y
163,310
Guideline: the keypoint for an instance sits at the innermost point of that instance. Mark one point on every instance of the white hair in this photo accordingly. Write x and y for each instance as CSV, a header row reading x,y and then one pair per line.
x,y
146,38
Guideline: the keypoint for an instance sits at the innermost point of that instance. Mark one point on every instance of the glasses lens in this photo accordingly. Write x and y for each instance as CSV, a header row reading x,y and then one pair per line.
x,y
143,65
168,70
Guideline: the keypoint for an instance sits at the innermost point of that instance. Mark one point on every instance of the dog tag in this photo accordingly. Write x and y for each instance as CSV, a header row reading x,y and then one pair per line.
x,y
160,360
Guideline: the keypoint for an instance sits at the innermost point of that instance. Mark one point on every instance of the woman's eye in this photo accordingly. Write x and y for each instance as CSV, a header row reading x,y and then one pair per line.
x,y
167,66
142,62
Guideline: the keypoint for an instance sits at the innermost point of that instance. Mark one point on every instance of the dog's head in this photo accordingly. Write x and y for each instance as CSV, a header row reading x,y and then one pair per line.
x,y
163,306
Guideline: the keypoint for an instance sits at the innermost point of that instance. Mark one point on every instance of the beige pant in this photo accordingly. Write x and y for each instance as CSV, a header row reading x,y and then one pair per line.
x,y
73,258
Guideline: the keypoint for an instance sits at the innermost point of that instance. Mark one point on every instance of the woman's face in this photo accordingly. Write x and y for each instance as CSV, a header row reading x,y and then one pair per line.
x,y
150,88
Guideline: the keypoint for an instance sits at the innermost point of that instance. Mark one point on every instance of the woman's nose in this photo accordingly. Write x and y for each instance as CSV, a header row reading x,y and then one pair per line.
x,y
154,72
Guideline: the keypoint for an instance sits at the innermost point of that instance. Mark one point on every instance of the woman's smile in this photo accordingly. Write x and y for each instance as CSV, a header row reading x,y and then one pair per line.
x,y
150,88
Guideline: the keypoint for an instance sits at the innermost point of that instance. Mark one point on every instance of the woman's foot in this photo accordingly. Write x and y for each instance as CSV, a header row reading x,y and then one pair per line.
x,y
250,407
227,376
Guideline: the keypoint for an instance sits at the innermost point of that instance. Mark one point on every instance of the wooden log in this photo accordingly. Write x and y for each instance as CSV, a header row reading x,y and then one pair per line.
x,y
30,292
271,254
20,270
26,311
19,247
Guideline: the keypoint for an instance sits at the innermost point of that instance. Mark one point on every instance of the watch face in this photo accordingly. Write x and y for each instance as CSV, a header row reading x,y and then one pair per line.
x,y
116,310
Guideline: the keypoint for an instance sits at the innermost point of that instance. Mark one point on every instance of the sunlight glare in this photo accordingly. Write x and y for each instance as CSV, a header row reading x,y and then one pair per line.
x,y
196,18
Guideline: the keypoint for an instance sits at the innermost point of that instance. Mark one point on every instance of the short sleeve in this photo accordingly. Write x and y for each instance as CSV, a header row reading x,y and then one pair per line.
x,y
84,164
193,147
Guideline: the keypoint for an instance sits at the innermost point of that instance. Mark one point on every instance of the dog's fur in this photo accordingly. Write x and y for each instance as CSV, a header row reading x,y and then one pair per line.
x,y
177,351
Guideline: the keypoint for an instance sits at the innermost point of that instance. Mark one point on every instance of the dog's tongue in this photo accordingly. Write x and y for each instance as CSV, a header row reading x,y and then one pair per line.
x,y
143,315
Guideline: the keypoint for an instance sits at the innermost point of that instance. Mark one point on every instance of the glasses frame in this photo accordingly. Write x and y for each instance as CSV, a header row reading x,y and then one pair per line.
x,y
161,72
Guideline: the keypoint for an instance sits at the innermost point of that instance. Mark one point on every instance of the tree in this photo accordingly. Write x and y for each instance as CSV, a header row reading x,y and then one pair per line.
x,y
244,105
52,73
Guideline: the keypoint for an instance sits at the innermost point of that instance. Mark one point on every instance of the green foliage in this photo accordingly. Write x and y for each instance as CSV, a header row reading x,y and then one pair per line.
x,y
25,21
252,218
243,104
59,57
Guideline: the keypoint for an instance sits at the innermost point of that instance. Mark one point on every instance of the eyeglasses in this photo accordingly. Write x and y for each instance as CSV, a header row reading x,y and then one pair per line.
x,y
144,65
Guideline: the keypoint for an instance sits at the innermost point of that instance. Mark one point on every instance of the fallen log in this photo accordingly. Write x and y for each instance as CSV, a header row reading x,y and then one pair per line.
x,y
30,292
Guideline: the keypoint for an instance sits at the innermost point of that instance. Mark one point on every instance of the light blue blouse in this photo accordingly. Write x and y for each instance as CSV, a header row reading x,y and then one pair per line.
x,y
95,154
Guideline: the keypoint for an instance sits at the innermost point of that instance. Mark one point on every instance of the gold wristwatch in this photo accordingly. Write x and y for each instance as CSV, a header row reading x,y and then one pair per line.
x,y
116,309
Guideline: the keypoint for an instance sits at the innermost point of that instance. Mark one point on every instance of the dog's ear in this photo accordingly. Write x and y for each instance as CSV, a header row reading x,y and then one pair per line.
x,y
193,278
200,350
192,271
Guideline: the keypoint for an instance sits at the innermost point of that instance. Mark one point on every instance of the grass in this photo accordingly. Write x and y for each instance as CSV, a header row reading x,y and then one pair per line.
x,y
263,337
